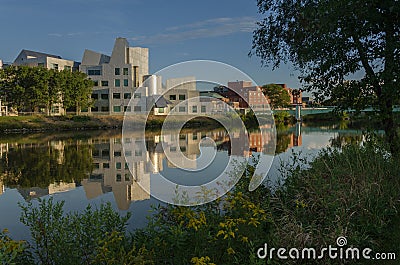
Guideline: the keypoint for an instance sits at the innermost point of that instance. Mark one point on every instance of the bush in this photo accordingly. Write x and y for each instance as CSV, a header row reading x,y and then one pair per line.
x,y
72,238
353,192
12,252
80,118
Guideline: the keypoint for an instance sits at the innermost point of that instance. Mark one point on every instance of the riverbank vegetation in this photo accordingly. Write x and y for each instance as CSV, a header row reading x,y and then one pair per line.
x,y
36,123
352,191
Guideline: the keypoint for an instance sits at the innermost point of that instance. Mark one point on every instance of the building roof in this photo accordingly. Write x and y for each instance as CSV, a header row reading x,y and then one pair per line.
x,y
39,54
162,102
211,94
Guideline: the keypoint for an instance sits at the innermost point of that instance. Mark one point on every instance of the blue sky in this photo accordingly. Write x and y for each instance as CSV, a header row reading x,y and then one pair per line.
x,y
174,31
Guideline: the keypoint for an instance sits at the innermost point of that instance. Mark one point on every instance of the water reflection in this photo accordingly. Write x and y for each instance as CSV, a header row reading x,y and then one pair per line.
x,y
98,163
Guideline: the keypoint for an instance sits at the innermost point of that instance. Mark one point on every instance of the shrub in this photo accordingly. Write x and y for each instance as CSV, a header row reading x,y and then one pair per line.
x,y
352,192
12,252
72,238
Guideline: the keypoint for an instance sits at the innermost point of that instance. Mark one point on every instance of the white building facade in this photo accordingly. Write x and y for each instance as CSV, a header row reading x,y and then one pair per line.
x,y
116,77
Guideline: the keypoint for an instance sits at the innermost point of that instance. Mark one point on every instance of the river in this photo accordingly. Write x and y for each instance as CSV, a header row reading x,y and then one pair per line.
x,y
90,167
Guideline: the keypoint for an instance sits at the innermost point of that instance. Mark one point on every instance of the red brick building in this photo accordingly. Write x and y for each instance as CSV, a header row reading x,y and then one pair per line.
x,y
243,95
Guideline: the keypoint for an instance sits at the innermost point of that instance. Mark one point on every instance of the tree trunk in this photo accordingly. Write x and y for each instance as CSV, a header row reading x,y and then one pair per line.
x,y
391,135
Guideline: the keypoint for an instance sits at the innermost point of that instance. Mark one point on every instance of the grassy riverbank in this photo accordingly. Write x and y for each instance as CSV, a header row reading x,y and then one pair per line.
x,y
353,192
11,124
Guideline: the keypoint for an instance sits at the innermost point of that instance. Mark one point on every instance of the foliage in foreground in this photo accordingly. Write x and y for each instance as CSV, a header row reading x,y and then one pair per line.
x,y
352,192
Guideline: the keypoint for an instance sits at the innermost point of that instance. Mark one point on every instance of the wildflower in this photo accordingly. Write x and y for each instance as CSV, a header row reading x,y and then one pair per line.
x,y
230,251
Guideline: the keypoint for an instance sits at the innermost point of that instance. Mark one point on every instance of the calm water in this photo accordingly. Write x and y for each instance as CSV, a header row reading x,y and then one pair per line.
x,y
84,168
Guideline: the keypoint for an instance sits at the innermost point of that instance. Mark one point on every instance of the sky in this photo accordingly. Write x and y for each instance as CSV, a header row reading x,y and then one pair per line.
x,y
174,31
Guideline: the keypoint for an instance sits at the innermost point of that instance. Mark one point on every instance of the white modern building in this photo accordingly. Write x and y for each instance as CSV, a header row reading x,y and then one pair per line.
x,y
117,77
49,61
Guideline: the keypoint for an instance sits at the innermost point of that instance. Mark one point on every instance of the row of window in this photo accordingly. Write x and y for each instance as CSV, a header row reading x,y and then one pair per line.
x,y
183,109
55,66
117,71
181,97
117,109
106,153
117,83
116,95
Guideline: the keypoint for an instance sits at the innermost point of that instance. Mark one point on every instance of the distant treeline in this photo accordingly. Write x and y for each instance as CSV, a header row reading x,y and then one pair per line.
x,y
30,89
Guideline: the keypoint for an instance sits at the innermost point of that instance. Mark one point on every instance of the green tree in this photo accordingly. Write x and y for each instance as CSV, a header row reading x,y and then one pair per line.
x,y
277,95
76,90
332,40
12,86
31,88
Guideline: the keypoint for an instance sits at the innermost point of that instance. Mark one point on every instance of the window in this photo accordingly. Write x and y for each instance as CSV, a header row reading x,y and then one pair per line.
x,y
104,96
160,110
96,165
125,82
194,136
105,108
104,83
117,108
127,109
55,109
125,71
118,165
106,165
92,72
172,97
95,96
127,95
67,67
182,109
172,149
117,71
95,109
118,177
182,97
96,153
126,165
105,153
117,82
127,177
128,153
117,153
137,108
54,66
138,152
137,95
182,137
95,83
203,109
116,95
194,109
183,148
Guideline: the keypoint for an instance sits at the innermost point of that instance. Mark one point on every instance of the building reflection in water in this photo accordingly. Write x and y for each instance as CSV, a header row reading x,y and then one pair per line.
x,y
115,158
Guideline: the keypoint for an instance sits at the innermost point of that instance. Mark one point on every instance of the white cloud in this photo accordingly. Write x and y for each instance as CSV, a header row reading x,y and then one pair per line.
x,y
55,35
202,29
